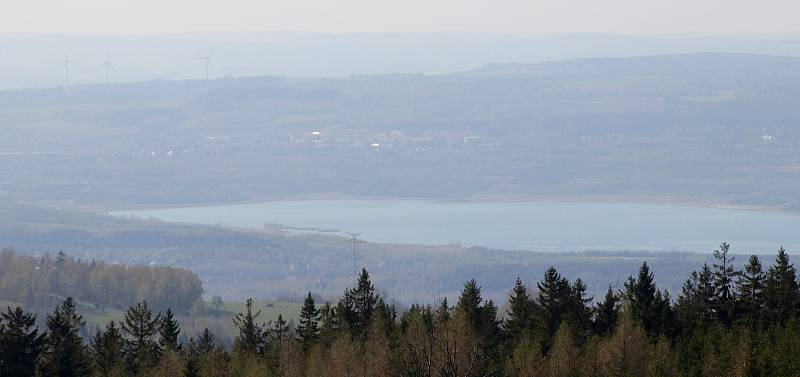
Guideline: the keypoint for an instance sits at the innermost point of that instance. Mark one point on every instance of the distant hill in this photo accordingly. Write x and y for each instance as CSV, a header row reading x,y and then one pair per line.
x,y
35,60
704,65
707,129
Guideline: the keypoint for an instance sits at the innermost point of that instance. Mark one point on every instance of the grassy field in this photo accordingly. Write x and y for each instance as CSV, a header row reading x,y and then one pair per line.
x,y
98,317
269,310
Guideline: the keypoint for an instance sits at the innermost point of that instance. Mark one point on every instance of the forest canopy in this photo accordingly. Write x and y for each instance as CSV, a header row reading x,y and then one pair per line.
x,y
725,322
43,282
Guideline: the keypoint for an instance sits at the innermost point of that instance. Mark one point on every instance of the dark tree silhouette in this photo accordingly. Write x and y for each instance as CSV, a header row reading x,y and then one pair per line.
x,y
519,315
308,325
169,331
21,345
648,305
140,328
781,295
106,349
606,313
251,335
65,354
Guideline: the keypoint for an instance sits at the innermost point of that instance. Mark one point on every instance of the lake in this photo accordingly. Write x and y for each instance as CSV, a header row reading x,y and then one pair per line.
x,y
538,226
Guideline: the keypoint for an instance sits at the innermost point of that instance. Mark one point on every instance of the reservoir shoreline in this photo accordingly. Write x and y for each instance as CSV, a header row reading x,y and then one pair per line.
x,y
513,225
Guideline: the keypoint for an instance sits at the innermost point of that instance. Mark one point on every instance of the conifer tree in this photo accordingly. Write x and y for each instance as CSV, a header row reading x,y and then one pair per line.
x,y
695,306
519,312
489,339
169,331
469,303
706,297
579,313
206,342
750,292
724,278
328,323
21,345
65,354
191,355
250,340
196,350
140,327
386,314
358,305
278,343
647,304
781,295
482,318
429,317
461,341
606,313
489,321
442,314
308,326
686,307
279,329
554,295
107,351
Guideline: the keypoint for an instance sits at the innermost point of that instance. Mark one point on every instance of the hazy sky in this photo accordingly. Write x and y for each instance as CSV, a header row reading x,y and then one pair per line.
x,y
615,16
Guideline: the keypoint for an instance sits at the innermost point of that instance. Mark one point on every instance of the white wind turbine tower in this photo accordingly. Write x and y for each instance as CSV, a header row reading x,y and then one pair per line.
x,y
108,68
207,60
67,62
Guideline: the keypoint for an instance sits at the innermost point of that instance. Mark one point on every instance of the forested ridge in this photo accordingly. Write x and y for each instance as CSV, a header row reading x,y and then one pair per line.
x,y
43,282
633,128
724,322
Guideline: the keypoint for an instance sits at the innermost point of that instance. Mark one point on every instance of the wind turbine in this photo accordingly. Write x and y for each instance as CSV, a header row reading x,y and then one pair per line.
x,y
108,68
207,60
67,62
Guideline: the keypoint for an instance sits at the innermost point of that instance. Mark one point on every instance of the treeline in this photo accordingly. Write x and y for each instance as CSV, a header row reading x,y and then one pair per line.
x,y
725,322
43,282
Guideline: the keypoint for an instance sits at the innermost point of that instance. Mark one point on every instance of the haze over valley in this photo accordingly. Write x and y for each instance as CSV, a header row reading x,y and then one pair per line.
x,y
679,131
702,129
439,188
